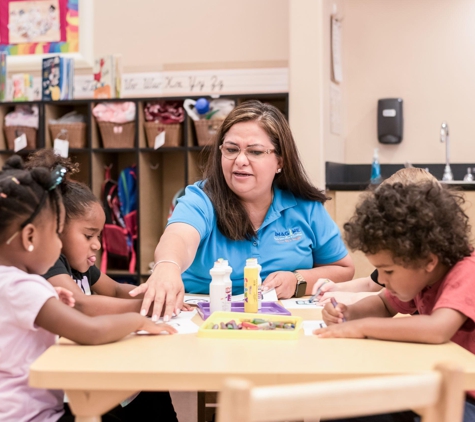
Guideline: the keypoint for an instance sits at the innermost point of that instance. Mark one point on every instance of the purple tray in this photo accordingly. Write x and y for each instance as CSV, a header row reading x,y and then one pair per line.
x,y
266,308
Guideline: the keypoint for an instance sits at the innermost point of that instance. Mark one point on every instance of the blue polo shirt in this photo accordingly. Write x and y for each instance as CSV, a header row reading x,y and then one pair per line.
x,y
296,234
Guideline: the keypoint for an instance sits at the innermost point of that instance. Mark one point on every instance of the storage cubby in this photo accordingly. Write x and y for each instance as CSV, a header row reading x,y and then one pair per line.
x,y
53,111
161,173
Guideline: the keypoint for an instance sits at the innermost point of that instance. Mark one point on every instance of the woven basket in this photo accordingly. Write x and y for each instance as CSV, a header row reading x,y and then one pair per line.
x,y
74,133
13,132
172,133
206,130
117,135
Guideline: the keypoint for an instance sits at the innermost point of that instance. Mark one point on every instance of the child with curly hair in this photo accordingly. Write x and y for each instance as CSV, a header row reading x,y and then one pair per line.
x,y
352,291
417,236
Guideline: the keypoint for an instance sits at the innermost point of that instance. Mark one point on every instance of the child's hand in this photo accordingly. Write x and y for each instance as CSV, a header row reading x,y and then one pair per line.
x,y
187,307
65,296
322,286
153,328
352,329
334,315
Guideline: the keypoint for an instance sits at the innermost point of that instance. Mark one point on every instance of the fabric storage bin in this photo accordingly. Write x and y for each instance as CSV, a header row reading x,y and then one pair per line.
x,y
172,133
74,133
117,135
13,132
206,130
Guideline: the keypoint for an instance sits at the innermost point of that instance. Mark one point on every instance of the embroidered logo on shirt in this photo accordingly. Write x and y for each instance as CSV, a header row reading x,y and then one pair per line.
x,y
289,235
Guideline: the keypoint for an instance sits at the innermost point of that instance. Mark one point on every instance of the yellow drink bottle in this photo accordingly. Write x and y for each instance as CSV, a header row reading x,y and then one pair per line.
x,y
251,284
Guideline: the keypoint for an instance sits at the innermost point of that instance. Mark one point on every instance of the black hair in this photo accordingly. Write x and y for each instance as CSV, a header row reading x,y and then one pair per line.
x,y
23,193
77,197
411,221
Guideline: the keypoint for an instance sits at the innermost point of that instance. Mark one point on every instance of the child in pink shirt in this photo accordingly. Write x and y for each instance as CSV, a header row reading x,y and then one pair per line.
x,y
31,218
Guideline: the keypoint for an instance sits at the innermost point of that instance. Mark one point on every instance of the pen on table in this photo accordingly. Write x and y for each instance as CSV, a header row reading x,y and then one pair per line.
x,y
335,304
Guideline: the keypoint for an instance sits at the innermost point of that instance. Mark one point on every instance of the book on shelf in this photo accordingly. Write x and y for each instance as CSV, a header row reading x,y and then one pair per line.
x,y
3,75
58,78
22,84
108,76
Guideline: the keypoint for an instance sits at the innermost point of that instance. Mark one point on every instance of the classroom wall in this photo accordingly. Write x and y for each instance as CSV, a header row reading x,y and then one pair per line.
x,y
190,34
423,52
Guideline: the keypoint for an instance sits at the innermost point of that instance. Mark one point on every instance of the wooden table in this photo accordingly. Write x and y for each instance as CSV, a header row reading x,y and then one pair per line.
x,y
97,378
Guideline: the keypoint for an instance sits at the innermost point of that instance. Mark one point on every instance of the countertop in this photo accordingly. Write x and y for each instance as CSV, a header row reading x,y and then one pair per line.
x,y
351,177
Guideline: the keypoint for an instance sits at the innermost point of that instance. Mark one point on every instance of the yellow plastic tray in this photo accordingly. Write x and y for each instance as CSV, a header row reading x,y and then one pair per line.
x,y
206,329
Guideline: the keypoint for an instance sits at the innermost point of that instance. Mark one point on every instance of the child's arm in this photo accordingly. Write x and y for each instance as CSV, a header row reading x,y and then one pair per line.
x,y
437,328
366,322
58,318
95,304
364,284
347,292
106,286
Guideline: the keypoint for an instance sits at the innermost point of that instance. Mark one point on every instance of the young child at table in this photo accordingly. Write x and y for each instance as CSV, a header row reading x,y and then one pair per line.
x,y
352,291
31,219
417,236
75,269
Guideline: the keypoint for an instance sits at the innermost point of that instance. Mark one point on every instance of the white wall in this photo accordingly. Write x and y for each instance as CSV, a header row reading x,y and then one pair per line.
x,y
423,52
183,34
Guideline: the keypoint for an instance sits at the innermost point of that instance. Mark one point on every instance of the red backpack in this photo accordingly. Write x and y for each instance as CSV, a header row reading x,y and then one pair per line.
x,y
120,232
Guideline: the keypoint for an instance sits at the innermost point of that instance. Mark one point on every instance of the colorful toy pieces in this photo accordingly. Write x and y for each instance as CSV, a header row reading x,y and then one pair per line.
x,y
254,324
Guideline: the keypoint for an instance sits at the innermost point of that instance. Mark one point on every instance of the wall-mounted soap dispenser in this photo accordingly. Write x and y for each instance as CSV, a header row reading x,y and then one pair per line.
x,y
390,120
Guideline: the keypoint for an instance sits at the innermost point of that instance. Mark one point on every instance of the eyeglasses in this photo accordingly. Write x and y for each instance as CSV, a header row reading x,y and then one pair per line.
x,y
253,153
57,177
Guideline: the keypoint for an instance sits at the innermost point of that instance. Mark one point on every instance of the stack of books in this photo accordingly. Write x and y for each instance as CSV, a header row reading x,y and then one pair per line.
x,y
58,78
107,76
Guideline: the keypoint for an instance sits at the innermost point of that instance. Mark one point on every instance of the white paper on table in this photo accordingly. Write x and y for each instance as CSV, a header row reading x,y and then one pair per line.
x,y
310,325
270,296
300,304
182,323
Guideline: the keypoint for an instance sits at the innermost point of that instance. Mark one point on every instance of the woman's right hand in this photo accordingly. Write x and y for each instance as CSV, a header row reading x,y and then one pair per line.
x,y
334,314
164,289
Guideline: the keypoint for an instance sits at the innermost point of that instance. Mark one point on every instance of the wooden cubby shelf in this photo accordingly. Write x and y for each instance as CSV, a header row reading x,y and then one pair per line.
x,y
160,173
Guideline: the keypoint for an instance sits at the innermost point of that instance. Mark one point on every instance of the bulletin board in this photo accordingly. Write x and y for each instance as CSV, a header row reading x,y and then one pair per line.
x,y
33,27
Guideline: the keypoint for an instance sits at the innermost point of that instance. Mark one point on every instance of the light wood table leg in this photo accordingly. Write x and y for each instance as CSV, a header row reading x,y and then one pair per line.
x,y
89,405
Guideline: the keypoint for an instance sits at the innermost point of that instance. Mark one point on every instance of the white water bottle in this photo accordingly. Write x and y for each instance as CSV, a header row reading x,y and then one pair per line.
x,y
228,283
219,299
260,293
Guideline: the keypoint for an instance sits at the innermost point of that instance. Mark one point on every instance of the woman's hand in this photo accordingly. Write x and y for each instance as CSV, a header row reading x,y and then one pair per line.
x,y
164,289
334,314
65,296
154,328
352,329
284,283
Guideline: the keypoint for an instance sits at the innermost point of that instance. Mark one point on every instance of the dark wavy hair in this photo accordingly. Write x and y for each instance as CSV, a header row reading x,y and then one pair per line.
x,y
411,221
77,197
233,220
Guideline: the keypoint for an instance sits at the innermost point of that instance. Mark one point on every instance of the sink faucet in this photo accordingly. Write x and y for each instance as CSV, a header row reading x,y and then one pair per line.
x,y
444,137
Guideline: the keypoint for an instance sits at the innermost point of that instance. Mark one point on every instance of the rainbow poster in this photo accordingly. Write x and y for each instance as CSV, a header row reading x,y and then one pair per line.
x,y
39,26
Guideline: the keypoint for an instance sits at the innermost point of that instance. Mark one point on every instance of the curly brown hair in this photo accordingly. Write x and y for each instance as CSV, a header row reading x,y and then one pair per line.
x,y
411,221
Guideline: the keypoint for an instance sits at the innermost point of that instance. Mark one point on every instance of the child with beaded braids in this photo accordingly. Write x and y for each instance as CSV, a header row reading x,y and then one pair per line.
x,y
75,270
31,219
418,238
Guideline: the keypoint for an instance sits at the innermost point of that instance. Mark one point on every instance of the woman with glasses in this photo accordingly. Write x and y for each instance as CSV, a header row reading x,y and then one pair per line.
x,y
255,201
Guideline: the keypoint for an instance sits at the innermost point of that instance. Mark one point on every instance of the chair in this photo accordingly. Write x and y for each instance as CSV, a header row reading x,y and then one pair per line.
x,y
437,396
